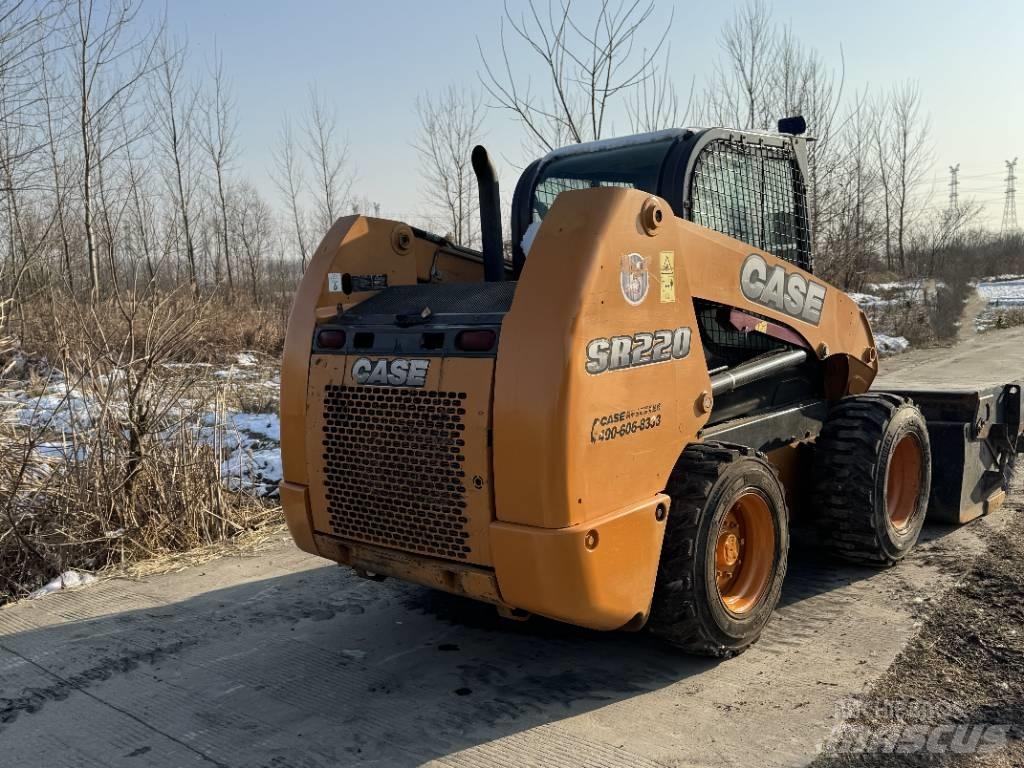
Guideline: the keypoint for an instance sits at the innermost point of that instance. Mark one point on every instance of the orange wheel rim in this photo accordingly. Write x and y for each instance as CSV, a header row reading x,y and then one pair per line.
x,y
745,552
903,482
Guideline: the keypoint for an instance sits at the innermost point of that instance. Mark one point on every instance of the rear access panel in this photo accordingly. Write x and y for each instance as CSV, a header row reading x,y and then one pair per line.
x,y
402,467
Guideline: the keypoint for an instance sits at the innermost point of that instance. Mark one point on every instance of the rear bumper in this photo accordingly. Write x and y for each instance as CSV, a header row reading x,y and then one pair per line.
x,y
599,575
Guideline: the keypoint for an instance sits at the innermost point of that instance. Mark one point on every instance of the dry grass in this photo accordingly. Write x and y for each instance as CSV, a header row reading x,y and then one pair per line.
x,y
243,326
223,329
246,543
121,461
1002,317
931,317
911,320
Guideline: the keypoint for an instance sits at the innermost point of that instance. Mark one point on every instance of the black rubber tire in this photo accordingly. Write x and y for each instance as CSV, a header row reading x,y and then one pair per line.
x,y
851,467
687,611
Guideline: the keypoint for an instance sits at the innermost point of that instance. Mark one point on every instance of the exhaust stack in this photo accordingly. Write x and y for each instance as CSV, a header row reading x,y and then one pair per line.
x,y
490,215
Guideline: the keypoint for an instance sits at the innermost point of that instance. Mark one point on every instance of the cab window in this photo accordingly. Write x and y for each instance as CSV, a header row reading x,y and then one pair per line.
x,y
634,167
752,193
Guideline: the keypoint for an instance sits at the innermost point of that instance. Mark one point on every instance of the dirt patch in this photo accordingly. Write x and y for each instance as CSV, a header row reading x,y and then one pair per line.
x,y
955,695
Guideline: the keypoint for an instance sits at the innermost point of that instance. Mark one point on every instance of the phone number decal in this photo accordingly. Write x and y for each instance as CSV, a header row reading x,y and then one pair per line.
x,y
625,423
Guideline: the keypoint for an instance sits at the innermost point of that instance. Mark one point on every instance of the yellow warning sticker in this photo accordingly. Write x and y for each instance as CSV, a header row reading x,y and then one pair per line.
x,y
667,263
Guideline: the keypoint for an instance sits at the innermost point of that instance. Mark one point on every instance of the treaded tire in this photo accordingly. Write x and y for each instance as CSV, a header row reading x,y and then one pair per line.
x,y
851,471
687,610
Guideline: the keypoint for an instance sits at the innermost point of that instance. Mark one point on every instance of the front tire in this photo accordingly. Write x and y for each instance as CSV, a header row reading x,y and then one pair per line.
x,y
873,471
725,551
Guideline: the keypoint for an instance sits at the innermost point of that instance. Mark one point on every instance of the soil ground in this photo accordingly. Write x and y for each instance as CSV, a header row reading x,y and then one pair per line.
x,y
965,668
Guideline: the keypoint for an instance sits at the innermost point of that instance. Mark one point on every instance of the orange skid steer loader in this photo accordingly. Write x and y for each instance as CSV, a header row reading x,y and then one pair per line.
x,y
614,427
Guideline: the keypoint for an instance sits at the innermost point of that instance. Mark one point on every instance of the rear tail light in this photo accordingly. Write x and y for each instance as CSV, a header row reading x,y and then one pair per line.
x,y
330,338
475,341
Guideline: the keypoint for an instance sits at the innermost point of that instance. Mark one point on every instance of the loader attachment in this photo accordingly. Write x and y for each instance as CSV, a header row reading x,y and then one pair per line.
x,y
975,435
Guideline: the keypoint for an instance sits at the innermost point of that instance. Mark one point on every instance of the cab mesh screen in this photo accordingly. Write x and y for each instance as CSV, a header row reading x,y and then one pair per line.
x,y
753,193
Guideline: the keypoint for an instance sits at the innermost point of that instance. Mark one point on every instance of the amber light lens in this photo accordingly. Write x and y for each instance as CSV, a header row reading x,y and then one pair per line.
x,y
475,341
331,338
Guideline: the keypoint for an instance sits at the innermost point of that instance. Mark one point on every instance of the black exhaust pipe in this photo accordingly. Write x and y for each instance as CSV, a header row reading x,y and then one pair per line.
x,y
490,215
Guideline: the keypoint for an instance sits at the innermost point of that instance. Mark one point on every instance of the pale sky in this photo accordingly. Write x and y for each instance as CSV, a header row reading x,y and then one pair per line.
x,y
372,60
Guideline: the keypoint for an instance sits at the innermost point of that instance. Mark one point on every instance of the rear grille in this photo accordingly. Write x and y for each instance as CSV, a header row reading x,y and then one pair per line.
x,y
393,468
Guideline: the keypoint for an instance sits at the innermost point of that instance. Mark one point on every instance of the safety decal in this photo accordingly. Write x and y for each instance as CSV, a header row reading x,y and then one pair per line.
x,y
612,426
338,282
774,287
667,276
634,279
401,372
621,352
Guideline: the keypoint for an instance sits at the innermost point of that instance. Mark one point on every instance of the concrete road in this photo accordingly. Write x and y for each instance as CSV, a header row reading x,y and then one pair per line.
x,y
280,660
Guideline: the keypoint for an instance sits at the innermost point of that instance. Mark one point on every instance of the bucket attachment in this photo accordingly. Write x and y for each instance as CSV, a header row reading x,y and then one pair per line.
x,y
974,435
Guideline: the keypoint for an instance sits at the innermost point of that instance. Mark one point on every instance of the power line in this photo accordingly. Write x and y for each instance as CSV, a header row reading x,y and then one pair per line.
x,y
1010,206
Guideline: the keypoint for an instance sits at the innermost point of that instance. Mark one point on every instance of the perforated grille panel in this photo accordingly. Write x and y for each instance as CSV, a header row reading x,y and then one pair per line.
x,y
393,468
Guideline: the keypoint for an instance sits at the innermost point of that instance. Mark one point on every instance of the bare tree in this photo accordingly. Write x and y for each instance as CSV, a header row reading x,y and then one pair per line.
x,y
142,229
450,124
801,83
654,103
940,234
852,235
253,228
911,157
108,64
882,155
738,94
589,65
329,155
174,115
218,140
290,180
109,188
56,120
902,154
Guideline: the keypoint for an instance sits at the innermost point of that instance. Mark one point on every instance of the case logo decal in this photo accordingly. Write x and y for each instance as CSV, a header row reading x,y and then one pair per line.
x,y
790,292
400,372
620,352
634,278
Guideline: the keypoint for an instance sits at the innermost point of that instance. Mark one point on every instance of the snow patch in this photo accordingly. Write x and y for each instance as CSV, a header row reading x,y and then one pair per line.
x,y
250,441
258,471
67,580
1002,293
867,299
890,345
254,440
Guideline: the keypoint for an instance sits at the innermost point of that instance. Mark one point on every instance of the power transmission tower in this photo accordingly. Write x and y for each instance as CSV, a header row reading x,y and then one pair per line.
x,y
1010,208
954,194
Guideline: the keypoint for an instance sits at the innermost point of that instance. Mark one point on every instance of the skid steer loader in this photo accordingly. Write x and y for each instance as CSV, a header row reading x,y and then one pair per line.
x,y
614,426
